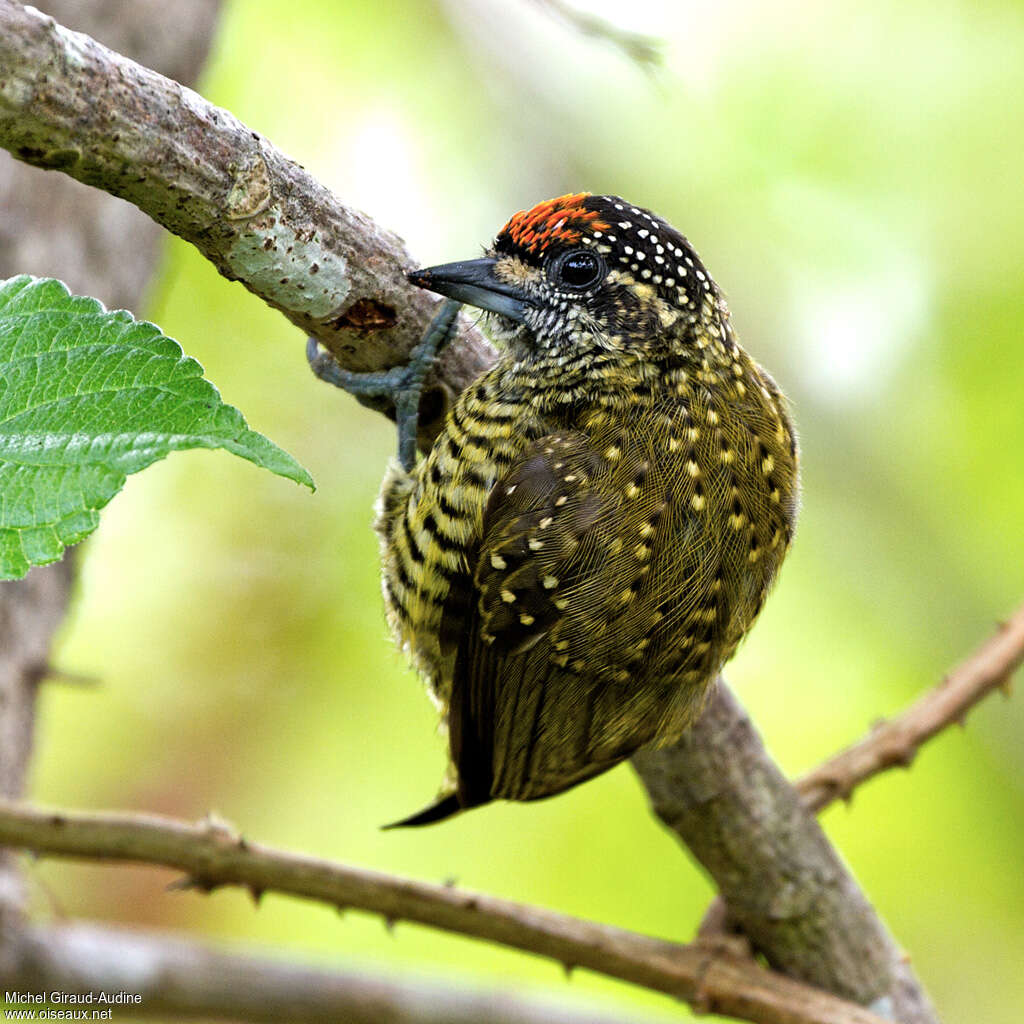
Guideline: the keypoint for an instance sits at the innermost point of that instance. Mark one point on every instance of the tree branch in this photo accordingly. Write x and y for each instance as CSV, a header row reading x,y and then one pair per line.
x,y
211,855
70,104
176,976
784,884
895,743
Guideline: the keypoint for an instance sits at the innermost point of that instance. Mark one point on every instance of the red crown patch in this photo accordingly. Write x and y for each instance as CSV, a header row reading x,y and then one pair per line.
x,y
562,220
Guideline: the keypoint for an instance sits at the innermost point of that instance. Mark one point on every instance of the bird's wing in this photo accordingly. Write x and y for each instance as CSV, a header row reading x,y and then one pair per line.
x,y
550,642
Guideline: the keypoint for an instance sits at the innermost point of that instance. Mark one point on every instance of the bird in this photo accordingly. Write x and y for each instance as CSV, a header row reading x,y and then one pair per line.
x,y
603,513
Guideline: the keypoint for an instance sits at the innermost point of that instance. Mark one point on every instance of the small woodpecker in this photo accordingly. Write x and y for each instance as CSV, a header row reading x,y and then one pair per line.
x,y
603,513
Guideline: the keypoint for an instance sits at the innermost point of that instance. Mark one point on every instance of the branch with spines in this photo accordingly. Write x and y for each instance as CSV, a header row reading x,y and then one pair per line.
x,y
212,855
708,976
895,743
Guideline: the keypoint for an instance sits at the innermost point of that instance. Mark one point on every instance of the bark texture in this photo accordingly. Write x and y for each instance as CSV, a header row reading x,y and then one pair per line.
x,y
71,104
783,883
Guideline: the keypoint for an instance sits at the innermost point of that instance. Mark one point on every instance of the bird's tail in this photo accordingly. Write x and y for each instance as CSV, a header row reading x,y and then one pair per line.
x,y
442,808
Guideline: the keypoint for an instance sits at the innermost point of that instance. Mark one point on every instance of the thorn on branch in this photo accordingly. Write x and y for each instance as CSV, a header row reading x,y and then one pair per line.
x,y
222,831
567,969
256,893
389,923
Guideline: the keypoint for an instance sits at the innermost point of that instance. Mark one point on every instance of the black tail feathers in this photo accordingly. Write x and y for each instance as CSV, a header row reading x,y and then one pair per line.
x,y
437,811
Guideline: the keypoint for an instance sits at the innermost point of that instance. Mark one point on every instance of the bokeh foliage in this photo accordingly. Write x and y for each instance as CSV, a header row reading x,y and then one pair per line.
x,y
851,173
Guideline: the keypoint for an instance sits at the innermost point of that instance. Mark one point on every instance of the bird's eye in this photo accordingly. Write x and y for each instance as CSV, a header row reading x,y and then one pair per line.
x,y
579,269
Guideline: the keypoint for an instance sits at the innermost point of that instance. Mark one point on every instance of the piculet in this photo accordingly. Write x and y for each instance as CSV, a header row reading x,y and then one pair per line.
x,y
603,513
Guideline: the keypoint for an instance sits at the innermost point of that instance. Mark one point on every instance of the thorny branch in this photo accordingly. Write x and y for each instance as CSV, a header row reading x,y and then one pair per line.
x,y
895,743
211,855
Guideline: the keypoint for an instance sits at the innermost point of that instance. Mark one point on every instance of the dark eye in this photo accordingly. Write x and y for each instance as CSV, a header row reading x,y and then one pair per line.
x,y
580,269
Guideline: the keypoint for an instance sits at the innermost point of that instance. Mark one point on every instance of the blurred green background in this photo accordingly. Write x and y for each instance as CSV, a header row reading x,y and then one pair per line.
x,y
852,175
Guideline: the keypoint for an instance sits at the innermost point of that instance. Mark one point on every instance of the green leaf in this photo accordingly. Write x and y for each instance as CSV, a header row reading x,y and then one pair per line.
x,y
87,397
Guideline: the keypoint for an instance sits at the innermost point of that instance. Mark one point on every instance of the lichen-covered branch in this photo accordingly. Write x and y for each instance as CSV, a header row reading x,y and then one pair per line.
x,y
68,103
212,854
177,977
895,743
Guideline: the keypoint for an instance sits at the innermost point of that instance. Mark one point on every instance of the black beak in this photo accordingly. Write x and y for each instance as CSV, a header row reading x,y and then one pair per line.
x,y
473,282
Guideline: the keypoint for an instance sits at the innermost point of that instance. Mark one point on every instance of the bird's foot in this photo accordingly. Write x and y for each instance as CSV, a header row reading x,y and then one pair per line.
x,y
402,384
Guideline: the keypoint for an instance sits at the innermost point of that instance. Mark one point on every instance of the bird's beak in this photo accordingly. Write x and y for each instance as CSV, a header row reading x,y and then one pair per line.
x,y
473,282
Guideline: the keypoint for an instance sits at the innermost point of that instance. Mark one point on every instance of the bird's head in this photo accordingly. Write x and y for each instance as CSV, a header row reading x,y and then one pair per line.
x,y
587,271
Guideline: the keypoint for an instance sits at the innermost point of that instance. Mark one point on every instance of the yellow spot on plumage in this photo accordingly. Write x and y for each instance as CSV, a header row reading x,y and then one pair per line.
x,y
534,545
693,469
561,603
697,502
527,620
549,582
561,500
767,465
545,522
632,491
612,453
498,562
727,456
642,552
508,597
